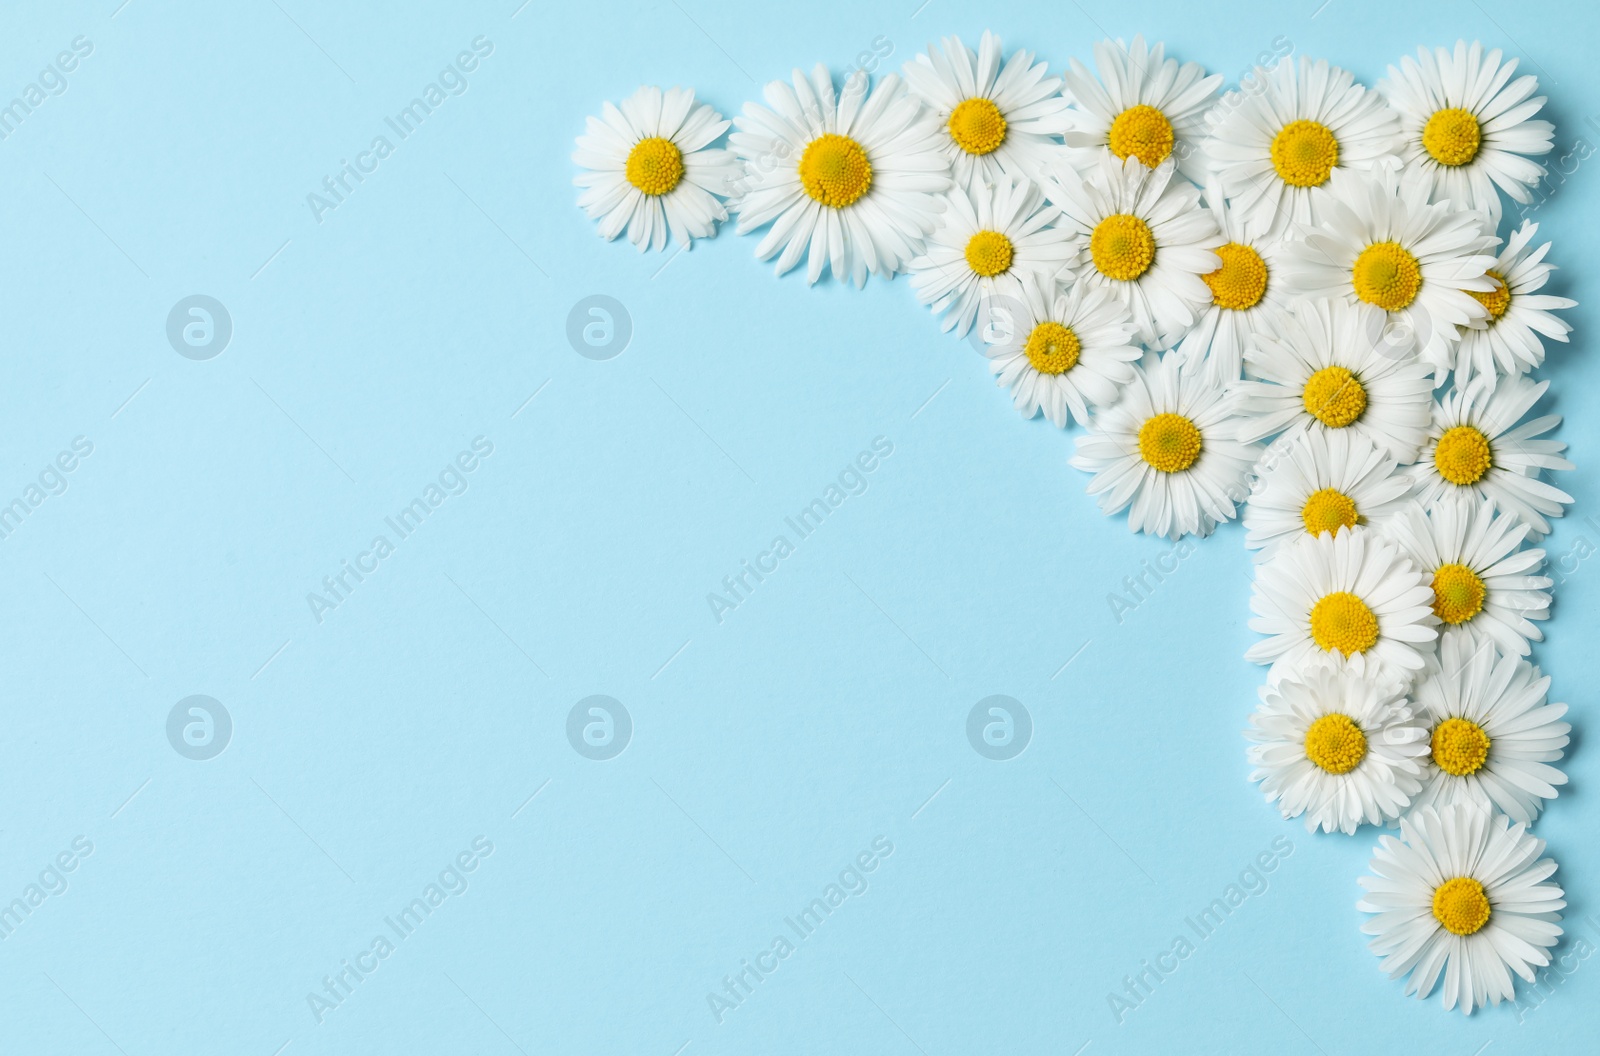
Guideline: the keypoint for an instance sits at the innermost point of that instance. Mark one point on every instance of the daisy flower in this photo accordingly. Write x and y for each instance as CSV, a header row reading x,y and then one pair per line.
x,y
1484,587
853,182
1476,450
1379,245
1468,126
1143,106
1140,233
1465,895
651,172
1491,735
997,119
1352,598
1326,373
989,238
1072,350
1167,449
1271,147
1324,481
1517,313
1338,748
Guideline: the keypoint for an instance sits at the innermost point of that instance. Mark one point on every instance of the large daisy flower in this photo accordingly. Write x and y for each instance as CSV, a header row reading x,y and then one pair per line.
x,y
1271,147
1338,748
855,179
1167,453
1141,234
997,119
651,173
1143,106
1324,481
1518,313
1492,736
1468,126
1465,895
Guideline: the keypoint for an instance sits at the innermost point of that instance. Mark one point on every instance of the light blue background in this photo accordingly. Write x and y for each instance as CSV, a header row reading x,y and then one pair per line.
x,y
769,750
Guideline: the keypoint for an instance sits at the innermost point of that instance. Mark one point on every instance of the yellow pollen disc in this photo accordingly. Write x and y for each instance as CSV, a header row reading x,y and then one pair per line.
x,y
1497,300
1141,132
1458,593
977,126
1334,397
1460,747
1123,247
1169,442
1452,137
1342,621
1241,282
989,253
1336,744
655,165
1460,905
1462,455
1329,510
1052,348
835,171
1304,153
1386,275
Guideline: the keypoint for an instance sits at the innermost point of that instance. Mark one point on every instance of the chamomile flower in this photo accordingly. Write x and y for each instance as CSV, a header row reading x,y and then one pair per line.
x,y
651,170
1140,233
1491,734
1351,598
989,239
997,118
1517,313
852,181
1318,483
1144,105
1271,147
1468,125
1070,350
1404,263
1465,895
1167,453
1336,747
1477,450
1485,586
1326,373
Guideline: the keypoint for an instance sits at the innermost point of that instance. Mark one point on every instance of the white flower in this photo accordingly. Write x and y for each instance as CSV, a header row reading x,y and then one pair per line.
x,y
1517,313
1322,482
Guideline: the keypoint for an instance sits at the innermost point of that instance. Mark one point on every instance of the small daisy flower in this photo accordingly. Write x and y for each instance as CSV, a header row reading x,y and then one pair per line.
x,y
1352,596
1337,748
1327,373
1140,233
989,239
1476,450
1464,895
651,172
853,182
1144,105
1491,734
1517,313
1468,126
1071,350
997,119
1273,146
1484,585
1324,481
1167,453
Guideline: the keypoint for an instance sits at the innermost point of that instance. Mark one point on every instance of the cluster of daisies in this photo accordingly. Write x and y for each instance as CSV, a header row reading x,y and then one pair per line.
x,y
1288,299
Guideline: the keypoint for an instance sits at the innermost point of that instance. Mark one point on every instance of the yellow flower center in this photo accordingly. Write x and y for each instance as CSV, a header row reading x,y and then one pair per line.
x,y
1386,275
1452,137
989,253
1336,744
1329,510
655,165
1462,455
1460,905
1142,132
1304,153
1460,747
1458,593
1241,282
835,171
1169,442
977,126
1342,621
1052,348
1334,397
1123,247
1497,301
